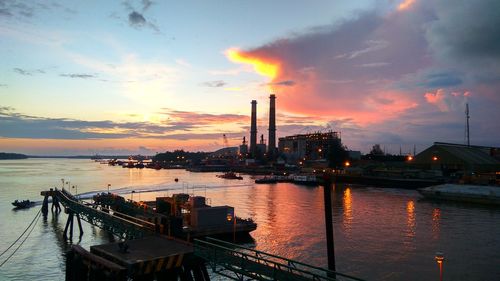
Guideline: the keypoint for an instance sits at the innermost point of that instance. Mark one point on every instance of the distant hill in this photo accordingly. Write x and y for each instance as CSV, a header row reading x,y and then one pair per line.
x,y
5,156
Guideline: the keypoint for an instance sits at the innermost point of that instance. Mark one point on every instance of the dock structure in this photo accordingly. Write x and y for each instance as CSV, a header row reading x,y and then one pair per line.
x,y
122,225
146,253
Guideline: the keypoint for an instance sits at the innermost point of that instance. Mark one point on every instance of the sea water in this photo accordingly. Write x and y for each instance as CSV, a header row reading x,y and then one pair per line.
x,y
379,234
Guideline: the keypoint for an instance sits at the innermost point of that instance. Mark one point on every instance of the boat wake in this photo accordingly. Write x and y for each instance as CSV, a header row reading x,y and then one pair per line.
x,y
157,188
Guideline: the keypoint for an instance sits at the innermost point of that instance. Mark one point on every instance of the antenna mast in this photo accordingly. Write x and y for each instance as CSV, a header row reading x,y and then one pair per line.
x,y
467,117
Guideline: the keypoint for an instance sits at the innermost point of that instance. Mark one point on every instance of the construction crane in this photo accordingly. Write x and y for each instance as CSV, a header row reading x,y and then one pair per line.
x,y
224,141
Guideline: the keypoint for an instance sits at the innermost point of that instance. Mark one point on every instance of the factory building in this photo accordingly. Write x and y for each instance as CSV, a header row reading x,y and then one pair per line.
x,y
449,157
271,149
261,150
308,147
253,130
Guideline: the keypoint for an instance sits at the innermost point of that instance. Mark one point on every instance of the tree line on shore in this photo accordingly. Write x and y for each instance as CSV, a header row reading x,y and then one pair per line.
x,y
6,155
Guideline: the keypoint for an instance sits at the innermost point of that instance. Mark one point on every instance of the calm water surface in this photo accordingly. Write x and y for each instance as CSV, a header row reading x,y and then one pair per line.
x,y
380,234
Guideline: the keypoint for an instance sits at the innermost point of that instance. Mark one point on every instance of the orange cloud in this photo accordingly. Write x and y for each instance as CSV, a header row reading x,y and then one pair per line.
x,y
261,66
405,5
446,101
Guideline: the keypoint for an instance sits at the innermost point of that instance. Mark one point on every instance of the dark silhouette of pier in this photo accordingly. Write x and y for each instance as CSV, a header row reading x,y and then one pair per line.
x,y
147,252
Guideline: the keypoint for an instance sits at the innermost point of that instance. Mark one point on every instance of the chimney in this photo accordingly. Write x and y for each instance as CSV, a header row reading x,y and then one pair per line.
x,y
272,127
253,130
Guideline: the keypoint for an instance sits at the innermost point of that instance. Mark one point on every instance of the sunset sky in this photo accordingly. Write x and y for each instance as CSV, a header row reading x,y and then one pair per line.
x,y
110,77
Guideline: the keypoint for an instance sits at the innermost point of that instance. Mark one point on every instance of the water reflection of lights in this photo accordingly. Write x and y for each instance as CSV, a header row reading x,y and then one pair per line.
x,y
410,221
347,217
436,218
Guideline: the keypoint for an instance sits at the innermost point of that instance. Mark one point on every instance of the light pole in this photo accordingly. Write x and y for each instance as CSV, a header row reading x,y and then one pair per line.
x,y
108,187
62,180
132,195
439,259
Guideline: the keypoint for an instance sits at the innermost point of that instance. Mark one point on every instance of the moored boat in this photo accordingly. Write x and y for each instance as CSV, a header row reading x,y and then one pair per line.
x,y
23,204
182,215
267,179
230,176
463,193
311,180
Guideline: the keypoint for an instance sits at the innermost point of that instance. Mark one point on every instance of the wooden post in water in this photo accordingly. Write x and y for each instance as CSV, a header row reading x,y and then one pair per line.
x,y
330,245
79,224
45,204
69,224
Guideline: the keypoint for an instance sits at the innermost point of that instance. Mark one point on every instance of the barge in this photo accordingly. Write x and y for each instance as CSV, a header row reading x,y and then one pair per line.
x,y
463,193
185,216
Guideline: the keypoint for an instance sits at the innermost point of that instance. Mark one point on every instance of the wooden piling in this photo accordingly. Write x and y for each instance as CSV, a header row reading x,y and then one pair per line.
x,y
330,245
79,224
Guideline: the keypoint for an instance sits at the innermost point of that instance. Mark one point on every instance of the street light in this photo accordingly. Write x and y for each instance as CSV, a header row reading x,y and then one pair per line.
x,y
75,187
439,259
132,195
108,187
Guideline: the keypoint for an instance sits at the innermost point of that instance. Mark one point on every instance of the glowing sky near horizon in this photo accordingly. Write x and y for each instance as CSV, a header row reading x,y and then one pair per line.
x,y
147,76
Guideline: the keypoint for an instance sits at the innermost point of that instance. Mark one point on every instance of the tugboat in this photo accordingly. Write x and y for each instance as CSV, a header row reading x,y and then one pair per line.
x,y
230,176
23,204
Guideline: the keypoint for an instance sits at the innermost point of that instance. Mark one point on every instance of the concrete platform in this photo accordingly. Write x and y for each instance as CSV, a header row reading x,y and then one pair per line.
x,y
146,255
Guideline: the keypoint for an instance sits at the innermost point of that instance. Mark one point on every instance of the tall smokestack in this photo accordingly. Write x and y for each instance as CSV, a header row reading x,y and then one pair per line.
x,y
271,148
253,130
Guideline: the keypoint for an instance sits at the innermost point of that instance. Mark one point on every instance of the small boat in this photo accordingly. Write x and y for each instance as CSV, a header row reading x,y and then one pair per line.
x,y
274,179
311,180
23,204
270,179
463,193
230,176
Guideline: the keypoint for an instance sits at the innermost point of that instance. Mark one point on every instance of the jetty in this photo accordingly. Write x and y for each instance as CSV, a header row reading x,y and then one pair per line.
x,y
147,250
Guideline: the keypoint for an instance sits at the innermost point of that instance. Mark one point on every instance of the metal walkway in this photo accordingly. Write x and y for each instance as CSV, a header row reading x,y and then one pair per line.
x,y
240,263
122,225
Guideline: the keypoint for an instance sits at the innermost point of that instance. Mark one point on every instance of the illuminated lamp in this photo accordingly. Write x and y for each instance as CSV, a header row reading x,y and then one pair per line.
x,y
347,164
229,217
409,158
434,158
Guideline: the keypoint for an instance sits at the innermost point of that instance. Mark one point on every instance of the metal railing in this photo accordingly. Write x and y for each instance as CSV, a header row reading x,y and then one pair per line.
x,y
123,225
238,263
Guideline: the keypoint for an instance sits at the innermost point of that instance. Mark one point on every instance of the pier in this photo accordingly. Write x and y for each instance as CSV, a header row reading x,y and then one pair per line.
x,y
147,251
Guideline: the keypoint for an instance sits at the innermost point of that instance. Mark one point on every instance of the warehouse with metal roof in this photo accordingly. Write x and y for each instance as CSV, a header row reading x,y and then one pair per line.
x,y
451,157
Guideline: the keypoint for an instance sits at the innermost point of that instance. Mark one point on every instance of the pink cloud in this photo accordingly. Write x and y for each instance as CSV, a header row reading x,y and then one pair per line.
x,y
446,101
330,73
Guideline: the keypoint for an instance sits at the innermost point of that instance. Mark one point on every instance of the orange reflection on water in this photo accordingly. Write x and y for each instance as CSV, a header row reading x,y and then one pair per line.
x,y
410,219
436,218
347,217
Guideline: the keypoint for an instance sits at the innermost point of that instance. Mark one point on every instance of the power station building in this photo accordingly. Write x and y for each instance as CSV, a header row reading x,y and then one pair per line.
x,y
314,146
259,150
